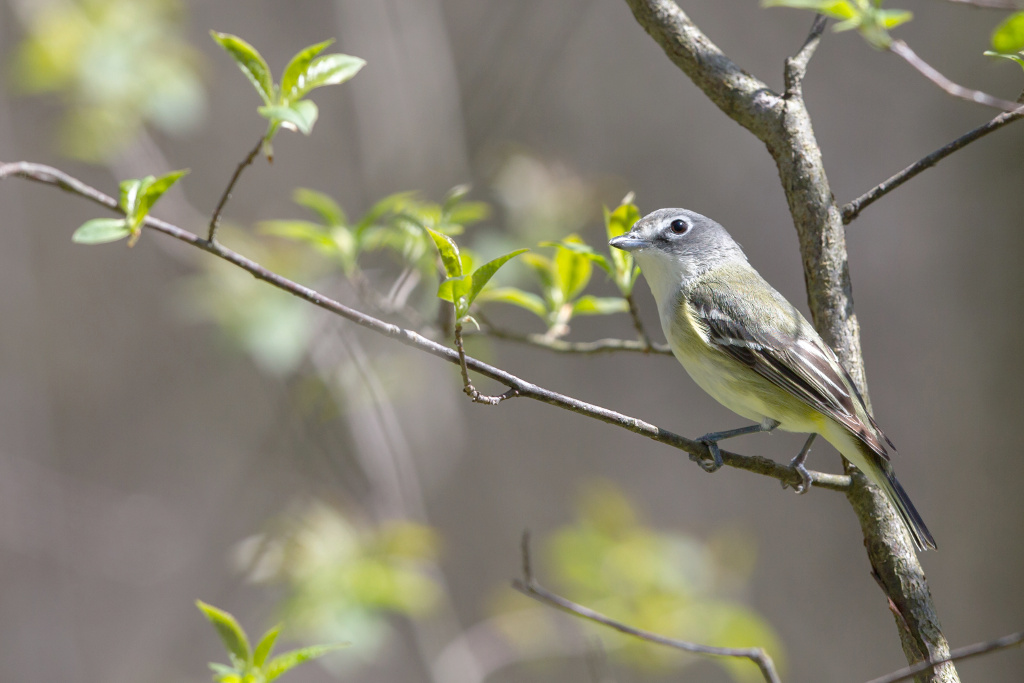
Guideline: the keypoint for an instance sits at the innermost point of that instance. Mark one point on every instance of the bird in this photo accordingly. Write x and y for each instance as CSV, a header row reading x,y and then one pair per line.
x,y
748,347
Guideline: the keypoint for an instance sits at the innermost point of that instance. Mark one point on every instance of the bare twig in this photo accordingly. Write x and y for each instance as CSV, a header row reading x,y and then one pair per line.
x,y
796,66
853,209
638,324
562,346
751,463
215,218
467,386
901,49
529,586
960,653
992,4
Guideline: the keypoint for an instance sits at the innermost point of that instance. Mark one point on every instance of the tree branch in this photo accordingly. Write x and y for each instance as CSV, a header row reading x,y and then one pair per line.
x,y
853,209
696,449
960,653
529,586
901,49
796,66
784,125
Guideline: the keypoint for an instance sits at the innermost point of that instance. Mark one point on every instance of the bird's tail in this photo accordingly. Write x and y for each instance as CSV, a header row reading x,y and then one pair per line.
x,y
908,513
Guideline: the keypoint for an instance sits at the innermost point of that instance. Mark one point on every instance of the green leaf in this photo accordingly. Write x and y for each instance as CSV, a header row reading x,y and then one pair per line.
x,y
294,78
485,272
586,250
599,305
837,9
891,18
517,297
456,290
222,673
299,231
131,191
265,646
544,269
289,660
250,62
101,230
1016,58
298,116
229,630
572,268
449,251
619,222
328,70
1009,35
321,204
389,204
152,191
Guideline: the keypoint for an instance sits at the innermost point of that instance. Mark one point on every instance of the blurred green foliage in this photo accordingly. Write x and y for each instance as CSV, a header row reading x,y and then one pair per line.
x,y
117,65
666,582
344,577
250,665
1008,36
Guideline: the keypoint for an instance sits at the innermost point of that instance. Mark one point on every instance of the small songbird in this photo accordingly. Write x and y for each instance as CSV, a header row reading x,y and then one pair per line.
x,y
753,351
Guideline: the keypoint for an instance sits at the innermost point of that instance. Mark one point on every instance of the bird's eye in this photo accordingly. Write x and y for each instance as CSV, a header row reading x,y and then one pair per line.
x,y
679,226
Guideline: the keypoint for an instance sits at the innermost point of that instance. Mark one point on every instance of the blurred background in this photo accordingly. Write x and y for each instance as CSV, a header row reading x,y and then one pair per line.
x,y
172,430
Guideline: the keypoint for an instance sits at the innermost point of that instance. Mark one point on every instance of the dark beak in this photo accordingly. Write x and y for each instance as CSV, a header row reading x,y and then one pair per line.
x,y
629,242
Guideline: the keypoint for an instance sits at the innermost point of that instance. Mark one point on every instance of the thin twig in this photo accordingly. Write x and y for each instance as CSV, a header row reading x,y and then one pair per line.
x,y
751,463
796,66
955,655
215,218
562,346
638,324
853,209
901,49
467,386
529,586
992,4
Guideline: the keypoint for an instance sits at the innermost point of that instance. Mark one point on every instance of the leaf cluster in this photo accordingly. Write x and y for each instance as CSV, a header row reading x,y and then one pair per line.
x,y
284,104
137,197
563,278
250,665
866,16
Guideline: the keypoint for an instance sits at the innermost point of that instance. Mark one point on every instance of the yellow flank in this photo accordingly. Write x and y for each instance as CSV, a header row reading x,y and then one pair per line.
x,y
732,383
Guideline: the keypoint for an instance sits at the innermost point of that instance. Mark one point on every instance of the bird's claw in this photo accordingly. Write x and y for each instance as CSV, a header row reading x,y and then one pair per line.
x,y
805,478
716,456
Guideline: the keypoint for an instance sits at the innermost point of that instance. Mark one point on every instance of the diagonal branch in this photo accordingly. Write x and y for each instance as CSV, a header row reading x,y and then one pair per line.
x,y
901,49
528,586
960,653
853,209
518,387
993,4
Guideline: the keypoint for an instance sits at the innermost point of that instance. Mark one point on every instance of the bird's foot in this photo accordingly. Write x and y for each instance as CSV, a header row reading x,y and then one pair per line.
x,y
805,478
716,455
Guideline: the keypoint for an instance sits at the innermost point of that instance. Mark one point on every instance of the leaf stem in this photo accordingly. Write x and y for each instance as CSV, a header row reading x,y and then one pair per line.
x,y
215,218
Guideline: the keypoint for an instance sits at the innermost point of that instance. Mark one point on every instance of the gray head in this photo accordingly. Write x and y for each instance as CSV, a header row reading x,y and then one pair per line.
x,y
674,245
